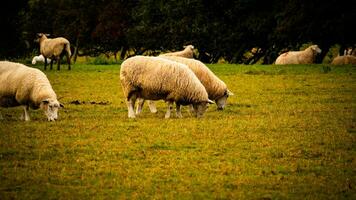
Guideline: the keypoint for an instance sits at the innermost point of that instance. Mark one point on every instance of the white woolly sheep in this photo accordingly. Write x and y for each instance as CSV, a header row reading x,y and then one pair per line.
x,y
188,52
39,58
54,48
216,88
299,57
28,87
344,60
155,78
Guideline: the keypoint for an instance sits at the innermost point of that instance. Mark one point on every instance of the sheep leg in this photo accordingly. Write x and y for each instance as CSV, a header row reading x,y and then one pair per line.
x,y
25,116
130,106
169,109
191,108
59,63
45,67
178,110
152,106
139,106
51,67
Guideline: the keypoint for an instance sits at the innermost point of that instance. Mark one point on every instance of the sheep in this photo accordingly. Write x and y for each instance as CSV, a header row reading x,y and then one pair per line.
x,y
188,52
28,87
154,78
54,48
216,88
299,57
39,58
344,60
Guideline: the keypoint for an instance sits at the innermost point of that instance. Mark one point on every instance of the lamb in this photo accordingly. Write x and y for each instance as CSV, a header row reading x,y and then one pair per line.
x,y
154,78
299,57
187,52
39,58
28,87
54,48
344,60
216,88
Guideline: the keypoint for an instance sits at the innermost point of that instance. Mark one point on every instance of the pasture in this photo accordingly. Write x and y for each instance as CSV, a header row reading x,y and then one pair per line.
x,y
287,133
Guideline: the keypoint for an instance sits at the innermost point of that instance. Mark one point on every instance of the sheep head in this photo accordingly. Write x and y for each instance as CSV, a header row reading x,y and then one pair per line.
x,y
200,108
41,36
315,48
50,108
190,47
221,101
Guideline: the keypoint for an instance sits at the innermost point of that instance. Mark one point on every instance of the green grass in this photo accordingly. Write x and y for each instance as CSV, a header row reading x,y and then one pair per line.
x,y
288,133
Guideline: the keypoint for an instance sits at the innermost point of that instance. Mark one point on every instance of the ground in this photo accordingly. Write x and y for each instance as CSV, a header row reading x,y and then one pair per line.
x,y
287,133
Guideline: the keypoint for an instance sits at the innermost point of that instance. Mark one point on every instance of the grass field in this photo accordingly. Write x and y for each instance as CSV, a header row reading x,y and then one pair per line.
x,y
288,133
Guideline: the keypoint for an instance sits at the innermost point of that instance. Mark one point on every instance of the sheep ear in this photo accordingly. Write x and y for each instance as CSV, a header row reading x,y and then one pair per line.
x,y
47,35
39,34
210,101
229,93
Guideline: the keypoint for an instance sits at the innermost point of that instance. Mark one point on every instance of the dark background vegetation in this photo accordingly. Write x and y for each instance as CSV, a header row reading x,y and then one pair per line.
x,y
218,29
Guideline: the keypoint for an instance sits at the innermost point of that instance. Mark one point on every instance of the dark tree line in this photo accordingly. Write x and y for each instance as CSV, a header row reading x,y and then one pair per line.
x,y
217,28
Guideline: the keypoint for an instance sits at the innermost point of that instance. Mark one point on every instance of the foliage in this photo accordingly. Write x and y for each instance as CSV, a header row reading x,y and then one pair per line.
x,y
218,29
288,133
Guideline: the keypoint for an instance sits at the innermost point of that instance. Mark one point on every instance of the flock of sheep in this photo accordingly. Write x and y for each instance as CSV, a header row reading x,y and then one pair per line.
x,y
176,78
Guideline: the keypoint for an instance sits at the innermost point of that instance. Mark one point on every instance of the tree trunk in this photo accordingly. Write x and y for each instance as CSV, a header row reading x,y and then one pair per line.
x,y
123,52
75,53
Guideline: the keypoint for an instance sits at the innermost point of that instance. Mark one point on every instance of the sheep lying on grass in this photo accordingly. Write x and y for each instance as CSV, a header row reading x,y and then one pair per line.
x,y
188,52
155,78
55,49
344,60
39,58
299,57
28,87
216,88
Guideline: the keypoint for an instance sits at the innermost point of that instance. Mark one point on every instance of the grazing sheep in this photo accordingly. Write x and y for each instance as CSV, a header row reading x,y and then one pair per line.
x,y
188,52
54,48
39,58
299,57
154,78
28,87
344,60
216,88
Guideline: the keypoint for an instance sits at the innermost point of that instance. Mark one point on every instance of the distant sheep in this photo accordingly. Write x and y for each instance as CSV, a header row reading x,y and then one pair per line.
x,y
154,78
188,52
28,87
299,57
39,58
55,49
344,60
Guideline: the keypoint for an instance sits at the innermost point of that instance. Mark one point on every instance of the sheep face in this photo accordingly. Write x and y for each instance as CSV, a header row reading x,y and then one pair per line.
x,y
221,102
50,108
200,108
316,49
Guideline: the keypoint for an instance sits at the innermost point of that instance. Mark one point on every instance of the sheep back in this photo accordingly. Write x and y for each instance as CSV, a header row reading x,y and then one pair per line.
x,y
155,78
344,60
186,53
215,87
